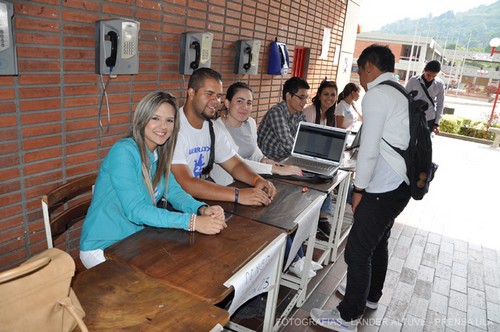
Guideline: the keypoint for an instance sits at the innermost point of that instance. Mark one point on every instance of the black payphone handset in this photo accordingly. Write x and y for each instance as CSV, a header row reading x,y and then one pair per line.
x,y
248,65
113,37
196,63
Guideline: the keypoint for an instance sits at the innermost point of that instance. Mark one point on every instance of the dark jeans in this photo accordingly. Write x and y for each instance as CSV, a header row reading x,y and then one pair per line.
x,y
366,252
430,124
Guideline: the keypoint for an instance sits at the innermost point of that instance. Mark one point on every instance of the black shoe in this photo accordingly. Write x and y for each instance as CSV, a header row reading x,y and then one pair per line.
x,y
324,227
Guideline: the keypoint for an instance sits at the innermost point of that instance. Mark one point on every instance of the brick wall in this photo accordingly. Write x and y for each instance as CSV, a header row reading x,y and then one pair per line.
x,y
49,126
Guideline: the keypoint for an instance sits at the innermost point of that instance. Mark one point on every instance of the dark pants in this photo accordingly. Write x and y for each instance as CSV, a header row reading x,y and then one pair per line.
x,y
366,252
430,124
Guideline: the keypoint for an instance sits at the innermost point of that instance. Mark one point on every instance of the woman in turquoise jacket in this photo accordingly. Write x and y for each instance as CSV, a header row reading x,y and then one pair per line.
x,y
133,178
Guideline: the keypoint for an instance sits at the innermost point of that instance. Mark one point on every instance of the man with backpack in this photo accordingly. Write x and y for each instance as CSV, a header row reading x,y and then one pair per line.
x,y
381,190
430,88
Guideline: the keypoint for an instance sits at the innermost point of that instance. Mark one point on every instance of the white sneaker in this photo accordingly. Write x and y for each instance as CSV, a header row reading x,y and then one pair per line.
x,y
331,320
315,266
369,304
298,267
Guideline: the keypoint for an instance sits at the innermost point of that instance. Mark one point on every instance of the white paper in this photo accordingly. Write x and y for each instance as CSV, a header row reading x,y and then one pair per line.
x,y
256,276
325,46
305,223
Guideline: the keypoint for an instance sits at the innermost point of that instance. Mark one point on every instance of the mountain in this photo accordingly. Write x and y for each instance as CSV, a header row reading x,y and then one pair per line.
x,y
480,24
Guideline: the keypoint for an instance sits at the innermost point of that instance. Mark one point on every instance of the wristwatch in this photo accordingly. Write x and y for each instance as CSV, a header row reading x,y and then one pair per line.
x,y
198,212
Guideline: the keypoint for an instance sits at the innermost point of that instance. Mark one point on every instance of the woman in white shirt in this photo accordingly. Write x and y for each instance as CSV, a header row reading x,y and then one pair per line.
x,y
322,110
241,130
346,114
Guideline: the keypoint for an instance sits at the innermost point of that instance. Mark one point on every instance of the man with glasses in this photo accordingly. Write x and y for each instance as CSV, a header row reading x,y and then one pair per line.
x,y
278,127
194,144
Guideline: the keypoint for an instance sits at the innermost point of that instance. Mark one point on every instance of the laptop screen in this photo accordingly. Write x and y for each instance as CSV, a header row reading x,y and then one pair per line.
x,y
320,142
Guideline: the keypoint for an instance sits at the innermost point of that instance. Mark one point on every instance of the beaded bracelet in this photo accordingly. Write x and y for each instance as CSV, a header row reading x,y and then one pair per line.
x,y
236,195
192,223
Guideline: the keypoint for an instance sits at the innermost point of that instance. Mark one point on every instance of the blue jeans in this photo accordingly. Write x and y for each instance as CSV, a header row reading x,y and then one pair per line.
x,y
366,252
327,207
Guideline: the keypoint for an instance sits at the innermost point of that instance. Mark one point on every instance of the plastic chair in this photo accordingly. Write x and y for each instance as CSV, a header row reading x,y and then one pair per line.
x,y
66,205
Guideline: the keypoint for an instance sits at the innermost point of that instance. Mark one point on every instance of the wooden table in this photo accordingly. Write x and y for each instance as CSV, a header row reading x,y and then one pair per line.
x,y
116,297
290,201
325,187
196,263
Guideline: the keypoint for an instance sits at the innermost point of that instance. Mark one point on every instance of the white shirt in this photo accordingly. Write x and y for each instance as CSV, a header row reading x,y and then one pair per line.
x,y
219,175
436,92
347,111
385,115
193,146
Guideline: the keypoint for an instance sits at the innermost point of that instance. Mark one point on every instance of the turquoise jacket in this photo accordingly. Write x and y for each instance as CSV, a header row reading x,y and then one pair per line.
x,y
121,205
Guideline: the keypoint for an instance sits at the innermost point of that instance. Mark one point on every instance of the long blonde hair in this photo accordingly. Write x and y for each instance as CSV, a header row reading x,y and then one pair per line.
x,y
143,113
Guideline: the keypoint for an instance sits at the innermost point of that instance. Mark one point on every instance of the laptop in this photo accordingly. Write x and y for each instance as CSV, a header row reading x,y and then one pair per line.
x,y
353,140
317,148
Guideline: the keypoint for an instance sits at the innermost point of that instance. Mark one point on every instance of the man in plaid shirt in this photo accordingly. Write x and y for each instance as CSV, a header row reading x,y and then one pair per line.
x,y
277,129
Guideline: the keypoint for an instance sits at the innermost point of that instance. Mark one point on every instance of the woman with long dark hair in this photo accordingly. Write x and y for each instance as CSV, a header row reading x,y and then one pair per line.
x,y
322,110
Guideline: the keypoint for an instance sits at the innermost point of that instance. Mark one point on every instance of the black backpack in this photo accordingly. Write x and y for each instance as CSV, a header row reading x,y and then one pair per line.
x,y
418,157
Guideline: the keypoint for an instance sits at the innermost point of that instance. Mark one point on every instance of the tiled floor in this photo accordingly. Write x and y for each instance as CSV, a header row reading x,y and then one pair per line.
x,y
444,269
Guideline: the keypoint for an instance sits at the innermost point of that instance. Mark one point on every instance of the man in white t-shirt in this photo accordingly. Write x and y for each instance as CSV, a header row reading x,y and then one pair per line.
x,y
192,151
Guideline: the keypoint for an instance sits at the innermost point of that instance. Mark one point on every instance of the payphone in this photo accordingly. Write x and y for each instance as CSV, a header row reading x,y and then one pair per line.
x,y
8,56
279,61
196,51
247,57
117,47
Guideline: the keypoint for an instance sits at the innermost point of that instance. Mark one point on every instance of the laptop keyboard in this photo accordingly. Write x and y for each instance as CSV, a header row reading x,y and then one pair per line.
x,y
311,165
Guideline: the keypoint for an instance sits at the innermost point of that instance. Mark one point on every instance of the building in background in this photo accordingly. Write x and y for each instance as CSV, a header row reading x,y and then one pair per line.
x,y
413,52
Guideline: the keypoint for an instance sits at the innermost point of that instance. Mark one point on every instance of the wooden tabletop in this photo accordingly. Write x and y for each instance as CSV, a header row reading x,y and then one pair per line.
x,y
116,297
196,263
291,199
326,187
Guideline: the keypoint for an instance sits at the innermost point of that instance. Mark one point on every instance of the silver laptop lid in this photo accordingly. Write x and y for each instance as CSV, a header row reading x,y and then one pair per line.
x,y
319,142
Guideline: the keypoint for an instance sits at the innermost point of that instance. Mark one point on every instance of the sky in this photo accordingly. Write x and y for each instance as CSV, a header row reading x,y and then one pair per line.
x,y
374,13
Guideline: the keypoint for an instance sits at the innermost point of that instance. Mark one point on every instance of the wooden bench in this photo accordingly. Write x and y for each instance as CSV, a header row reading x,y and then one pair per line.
x,y
496,131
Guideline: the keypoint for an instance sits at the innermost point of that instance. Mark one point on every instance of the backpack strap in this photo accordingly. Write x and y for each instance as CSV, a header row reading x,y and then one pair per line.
x,y
401,89
208,168
427,93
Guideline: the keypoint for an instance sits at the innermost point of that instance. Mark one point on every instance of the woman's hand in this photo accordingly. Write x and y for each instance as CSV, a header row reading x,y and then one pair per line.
x,y
287,170
214,211
209,225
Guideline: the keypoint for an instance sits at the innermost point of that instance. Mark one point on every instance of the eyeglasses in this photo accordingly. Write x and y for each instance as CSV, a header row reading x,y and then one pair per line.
x,y
302,98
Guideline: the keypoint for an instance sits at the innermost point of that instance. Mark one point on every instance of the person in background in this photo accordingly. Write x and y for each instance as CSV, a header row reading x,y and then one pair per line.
x,y
381,191
133,178
431,89
241,130
322,109
346,113
277,129
194,144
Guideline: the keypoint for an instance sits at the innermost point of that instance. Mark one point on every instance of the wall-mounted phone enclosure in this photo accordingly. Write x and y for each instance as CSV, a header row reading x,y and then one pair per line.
x,y
117,47
8,56
196,51
279,61
247,57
